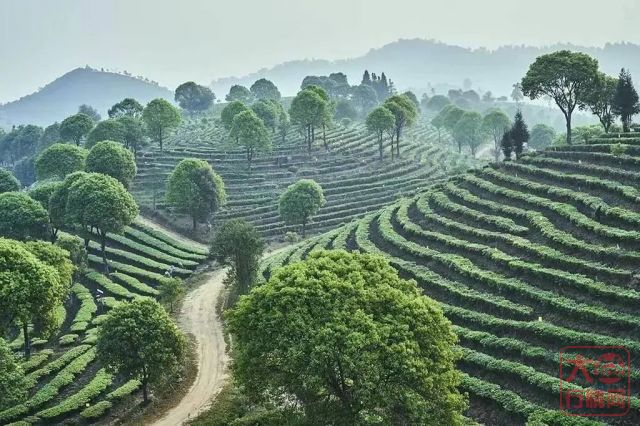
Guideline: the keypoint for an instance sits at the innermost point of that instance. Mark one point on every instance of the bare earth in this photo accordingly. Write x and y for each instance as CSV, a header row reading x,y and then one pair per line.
x,y
199,318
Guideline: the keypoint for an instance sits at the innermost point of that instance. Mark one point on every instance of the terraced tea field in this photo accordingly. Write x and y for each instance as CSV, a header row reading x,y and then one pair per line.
x,y
354,180
525,258
68,385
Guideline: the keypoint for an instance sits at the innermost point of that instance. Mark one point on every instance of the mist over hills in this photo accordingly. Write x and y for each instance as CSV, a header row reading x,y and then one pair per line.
x,y
61,98
420,64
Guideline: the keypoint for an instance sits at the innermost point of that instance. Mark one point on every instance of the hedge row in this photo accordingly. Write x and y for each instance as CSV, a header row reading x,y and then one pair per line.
x,y
87,309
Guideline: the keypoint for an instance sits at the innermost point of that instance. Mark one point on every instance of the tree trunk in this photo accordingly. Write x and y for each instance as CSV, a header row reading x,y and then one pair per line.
x,y
194,223
393,154
398,142
309,138
103,240
313,133
324,137
27,344
145,391
249,157
86,243
160,140
380,144
568,117
304,228
459,147
496,149
54,235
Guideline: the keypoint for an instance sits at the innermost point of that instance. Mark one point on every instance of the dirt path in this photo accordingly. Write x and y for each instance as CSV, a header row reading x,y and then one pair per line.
x,y
199,318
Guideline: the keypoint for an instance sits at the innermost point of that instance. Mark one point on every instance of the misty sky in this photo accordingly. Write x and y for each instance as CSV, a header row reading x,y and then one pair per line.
x,y
175,41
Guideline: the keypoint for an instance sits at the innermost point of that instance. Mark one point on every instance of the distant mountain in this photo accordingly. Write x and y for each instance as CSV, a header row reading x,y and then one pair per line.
x,y
421,64
61,98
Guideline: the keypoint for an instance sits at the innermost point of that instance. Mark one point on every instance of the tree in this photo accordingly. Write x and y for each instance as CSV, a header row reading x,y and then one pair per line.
x,y
519,134
75,128
170,291
249,131
107,130
77,253
350,341
194,97
99,201
364,97
238,245
8,182
89,111
267,112
138,340
468,130
194,188
567,77
43,190
541,136
22,217
30,292
438,123
600,100
405,114
13,384
50,135
239,93
516,93
413,98
625,100
488,97
56,257
112,159
300,202
59,160
438,102
230,111
307,110
133,135
451,116
506,143
128,107
495,123
381,121
324,116
58,205
161,119
265,89
345,109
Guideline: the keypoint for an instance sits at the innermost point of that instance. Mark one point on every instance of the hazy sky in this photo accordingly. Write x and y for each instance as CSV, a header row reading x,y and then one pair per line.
x,y
179,40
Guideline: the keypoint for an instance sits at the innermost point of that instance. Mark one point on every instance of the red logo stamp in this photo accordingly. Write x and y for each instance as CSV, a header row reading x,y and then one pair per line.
x,y
595,380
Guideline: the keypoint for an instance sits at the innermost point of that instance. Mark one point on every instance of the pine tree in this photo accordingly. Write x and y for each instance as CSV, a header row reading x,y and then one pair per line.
x,y
519,134
366,78
625,100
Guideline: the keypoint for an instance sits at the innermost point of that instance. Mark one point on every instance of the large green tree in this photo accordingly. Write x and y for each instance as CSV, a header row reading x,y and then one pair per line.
x,y
133,133
230,111
381,121
161,119
75,128
59,160
128,107
265,89
468,130
194,188
268,112
541,136
194,97
519,134
30,290
437,102
248,130
13,383
350,341
238,245
307,111
239,93
365,97
300,202
113,159
43,190
99,201
138,340
600,100
495,123
8,182
89,111
58,205
22,217
625,100
107,130
405,113
566,77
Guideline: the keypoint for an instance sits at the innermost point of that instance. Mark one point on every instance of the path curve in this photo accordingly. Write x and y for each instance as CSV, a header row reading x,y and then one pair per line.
x,y
199,318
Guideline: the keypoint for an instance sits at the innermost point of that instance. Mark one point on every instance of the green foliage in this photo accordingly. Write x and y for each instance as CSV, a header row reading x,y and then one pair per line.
x,y
265,89
267,111
89,111
161,119
495,123
239,93
541,136
295,339
248,130
194,188
43,191
170,290
345,109
75,128
56,257
617,149
22,217
112,159
127,107
138,340
50,136
77,252
193,97
96,411
625,100
381,121
519,134
107,130
8,182
59,160
133,133
469,131
600,100
567,77
365,97
13,384
300,202
58,201
451,115
239,246
230,111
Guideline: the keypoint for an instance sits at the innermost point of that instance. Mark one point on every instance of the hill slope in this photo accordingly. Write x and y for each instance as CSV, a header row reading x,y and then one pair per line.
x,y
61,98
525,257
417,63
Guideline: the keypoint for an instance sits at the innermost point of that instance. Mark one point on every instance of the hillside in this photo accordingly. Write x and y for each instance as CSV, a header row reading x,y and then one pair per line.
x,y
355,182
419,63
61,98
525,257
68,383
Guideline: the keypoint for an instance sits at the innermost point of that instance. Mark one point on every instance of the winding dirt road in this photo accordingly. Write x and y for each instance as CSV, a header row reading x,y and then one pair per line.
x,y
199,318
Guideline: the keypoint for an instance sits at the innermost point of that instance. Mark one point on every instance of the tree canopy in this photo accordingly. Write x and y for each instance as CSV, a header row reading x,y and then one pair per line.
x,y
107,130
265,89
468,130
381,121
239,93
625,100
8,182
13,384
138,340
58,203
248,130
495,123
349,340
600,100
519,134
161,119
75,128
230,111
89,111
194,188
405,113
128,107
22,217
59,160
541,136
113,159
194,97
300,202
